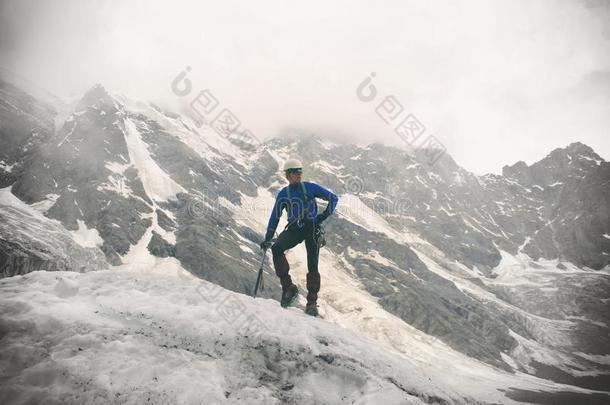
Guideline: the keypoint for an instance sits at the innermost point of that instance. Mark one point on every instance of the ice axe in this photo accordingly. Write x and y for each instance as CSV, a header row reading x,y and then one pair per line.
x,y
259,277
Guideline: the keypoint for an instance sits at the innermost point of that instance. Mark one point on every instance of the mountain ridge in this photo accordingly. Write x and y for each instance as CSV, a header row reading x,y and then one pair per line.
x,y
455,255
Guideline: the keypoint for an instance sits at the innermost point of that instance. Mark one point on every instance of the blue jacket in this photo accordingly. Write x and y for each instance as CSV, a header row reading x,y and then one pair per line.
x,y
295,207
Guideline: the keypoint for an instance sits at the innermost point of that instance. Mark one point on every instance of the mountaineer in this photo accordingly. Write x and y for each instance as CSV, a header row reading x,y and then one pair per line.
x,y
304,224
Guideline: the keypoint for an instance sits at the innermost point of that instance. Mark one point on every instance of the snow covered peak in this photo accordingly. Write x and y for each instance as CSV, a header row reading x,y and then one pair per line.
x,y
574,161
575,152
580,148
96,97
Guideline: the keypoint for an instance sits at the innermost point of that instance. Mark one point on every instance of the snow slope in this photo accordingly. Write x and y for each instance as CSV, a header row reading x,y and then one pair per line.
x,y
42,241
163,336
160,335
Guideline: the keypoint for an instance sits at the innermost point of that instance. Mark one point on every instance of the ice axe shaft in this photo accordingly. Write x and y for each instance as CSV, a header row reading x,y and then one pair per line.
x,y
259,277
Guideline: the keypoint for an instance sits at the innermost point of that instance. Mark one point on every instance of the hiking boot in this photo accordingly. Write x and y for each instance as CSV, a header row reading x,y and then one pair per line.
x,y
289,295
312,309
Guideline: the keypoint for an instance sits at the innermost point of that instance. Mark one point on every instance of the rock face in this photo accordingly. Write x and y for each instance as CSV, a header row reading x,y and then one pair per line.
x,y
159,247
25,122
575,213
87,164
500,268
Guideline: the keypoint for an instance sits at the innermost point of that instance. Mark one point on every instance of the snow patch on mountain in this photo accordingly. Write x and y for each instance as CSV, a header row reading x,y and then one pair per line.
x,y
138,255
157,183
6,167
519,269
355,210
86,237
203,139
8,199
44,205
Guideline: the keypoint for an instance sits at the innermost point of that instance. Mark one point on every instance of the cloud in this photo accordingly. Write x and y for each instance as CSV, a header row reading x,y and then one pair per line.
x,y
489,79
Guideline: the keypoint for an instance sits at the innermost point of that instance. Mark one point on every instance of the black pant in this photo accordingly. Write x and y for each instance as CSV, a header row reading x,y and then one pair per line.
x,y
289,238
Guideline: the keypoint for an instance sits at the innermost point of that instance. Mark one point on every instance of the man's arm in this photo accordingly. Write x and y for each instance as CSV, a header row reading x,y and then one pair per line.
x,y
274,219
324,194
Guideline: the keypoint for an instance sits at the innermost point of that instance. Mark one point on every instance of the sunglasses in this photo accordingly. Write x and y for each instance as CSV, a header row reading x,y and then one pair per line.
x,y
296,171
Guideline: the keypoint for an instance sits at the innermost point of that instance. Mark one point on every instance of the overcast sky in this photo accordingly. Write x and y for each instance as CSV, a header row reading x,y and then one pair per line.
x,y
494,81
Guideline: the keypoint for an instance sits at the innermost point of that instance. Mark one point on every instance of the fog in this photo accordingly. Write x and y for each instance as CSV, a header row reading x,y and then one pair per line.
x,y
493,81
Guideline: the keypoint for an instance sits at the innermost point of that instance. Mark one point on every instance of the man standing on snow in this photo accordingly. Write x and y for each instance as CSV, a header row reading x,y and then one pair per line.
x,y
304,224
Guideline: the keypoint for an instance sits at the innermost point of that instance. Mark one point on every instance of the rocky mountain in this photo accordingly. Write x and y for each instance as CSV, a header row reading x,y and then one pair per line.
x,y
40,243
510,270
